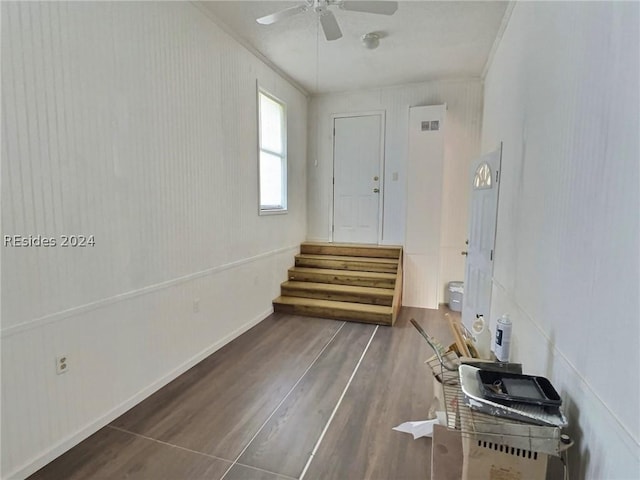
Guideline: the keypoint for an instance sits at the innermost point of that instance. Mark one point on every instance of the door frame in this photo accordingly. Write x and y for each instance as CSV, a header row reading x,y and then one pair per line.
x,y
367,113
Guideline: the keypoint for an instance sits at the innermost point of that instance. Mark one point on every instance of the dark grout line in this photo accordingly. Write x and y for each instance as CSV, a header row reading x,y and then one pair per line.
x,y
266,471
168,444
283,400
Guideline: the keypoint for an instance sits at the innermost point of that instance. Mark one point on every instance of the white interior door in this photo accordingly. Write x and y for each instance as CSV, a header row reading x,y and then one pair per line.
x,y
483,216
356,183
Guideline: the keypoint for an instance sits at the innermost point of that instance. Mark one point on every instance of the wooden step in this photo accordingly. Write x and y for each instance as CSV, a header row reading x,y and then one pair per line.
x,y
342,277
338,262
312,307
350,249
341,293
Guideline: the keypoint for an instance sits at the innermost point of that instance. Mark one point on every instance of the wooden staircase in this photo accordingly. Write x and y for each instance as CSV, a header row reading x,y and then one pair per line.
x,y
359,283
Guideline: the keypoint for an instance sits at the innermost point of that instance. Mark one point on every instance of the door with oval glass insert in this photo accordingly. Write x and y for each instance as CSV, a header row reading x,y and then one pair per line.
x,y
480,251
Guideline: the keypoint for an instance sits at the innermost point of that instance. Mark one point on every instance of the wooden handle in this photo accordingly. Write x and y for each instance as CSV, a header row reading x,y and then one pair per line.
x,y
457,335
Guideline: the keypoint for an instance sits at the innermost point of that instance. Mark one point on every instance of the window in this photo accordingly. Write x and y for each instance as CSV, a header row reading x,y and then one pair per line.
x,y
272,138
482,179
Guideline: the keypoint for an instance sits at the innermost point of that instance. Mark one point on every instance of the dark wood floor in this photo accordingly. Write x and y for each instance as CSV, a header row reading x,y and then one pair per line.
x,y
257,409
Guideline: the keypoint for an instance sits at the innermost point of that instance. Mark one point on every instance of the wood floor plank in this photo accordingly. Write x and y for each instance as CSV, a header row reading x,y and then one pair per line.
x,y
112,454
392,386
217,406
243,472
285,443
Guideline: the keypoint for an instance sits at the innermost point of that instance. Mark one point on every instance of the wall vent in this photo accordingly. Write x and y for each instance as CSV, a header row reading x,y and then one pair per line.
x,y
518,452
432,125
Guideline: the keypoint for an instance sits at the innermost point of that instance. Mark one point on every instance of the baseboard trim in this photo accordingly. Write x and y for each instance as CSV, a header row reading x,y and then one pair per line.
x,y
72,440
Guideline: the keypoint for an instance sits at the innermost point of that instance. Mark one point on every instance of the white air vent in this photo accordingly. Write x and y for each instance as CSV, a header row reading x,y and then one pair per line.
x,y
432,125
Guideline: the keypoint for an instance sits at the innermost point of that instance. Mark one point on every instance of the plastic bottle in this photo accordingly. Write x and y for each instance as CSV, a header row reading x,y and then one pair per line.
x,y
502,345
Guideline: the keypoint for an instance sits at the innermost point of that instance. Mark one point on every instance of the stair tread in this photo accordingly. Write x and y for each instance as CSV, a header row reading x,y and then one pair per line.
x,y
390,261
354,245
314,302
331,287
326,271
352,249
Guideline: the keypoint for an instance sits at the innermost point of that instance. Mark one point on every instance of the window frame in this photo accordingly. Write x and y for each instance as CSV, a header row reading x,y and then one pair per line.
x,y
273,209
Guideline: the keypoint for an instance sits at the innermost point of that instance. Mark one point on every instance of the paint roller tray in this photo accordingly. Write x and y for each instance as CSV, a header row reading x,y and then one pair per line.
x,y
505,387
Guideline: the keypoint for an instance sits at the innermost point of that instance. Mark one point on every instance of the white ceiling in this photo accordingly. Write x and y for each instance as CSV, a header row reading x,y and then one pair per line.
x,y
423,40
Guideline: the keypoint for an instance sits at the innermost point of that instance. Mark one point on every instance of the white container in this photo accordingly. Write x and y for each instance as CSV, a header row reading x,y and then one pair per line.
x,y
456,292
502,345
482,337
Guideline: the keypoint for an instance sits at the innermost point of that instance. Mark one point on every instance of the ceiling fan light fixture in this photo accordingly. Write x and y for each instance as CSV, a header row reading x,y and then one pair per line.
x,y
371,40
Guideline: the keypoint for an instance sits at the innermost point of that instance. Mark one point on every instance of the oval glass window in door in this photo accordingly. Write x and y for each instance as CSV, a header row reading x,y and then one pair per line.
x,y
482,178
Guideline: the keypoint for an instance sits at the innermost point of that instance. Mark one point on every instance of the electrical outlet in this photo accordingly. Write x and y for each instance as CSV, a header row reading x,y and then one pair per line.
x,y
196,305
62,364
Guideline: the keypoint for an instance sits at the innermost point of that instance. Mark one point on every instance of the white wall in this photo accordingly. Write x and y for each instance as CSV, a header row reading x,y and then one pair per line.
x,y
462,145
136,123
562,93
425,175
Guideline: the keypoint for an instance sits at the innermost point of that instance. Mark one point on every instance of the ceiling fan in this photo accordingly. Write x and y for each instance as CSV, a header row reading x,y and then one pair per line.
x,y
328,21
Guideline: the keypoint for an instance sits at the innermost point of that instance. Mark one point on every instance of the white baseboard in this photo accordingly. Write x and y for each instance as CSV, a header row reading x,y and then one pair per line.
x,y
72,440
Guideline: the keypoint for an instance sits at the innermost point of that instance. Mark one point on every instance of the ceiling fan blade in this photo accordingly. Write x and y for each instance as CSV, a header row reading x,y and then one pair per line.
x,y
382,8
330,26
282,14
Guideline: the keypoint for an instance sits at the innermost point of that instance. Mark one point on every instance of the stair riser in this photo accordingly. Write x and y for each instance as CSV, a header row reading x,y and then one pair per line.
x,y
337,296
346,279
375,252
381,319
347,265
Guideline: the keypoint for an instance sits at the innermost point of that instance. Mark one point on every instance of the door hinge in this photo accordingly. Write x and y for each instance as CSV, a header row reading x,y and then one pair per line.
x,y
333,228
497,175
491,256
333,180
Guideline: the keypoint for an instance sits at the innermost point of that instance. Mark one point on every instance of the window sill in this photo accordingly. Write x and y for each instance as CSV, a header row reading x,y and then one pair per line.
x,y
279,211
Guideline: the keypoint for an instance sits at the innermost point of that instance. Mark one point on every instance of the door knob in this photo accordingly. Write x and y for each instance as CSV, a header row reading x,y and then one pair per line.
x,y
376,190
375,178
464,253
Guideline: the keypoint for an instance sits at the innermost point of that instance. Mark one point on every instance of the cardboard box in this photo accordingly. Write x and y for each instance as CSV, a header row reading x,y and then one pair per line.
x,y
446,454
486,460
456,456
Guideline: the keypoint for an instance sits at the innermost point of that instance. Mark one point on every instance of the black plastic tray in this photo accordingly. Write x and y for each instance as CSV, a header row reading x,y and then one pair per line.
x,y
510,387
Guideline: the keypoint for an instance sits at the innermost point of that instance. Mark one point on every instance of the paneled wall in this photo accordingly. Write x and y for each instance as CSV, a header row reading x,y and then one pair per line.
x,y
133,122
424,186
462,144
562,94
